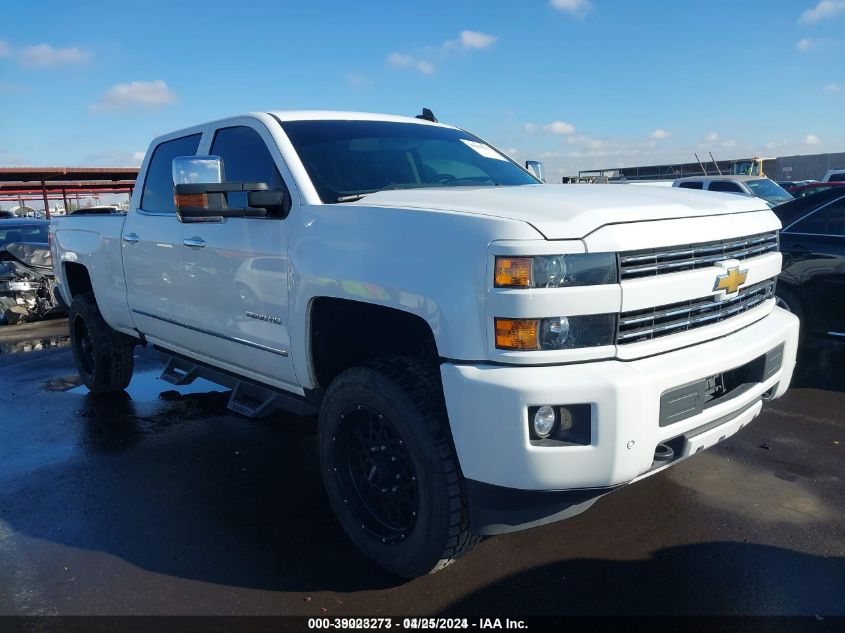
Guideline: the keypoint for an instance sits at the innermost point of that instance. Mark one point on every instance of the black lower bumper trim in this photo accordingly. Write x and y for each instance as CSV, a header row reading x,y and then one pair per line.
x,y
497,509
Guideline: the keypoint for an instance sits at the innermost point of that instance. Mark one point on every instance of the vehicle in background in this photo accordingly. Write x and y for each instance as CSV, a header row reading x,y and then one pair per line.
x,y
748,167
27,283
7,215
652,183
763,188
810,188
834,175
100,210
812,283
791,184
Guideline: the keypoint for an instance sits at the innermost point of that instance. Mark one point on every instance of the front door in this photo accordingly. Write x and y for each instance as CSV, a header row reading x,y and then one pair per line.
x,y
237,270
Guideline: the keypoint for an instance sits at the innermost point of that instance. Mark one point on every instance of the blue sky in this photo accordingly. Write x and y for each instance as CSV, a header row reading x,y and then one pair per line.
x,y
578,83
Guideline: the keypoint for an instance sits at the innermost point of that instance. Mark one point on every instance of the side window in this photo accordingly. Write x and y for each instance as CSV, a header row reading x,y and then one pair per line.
x,y
840,177
836,221
813,223
691,185
158,185
724,185
245,159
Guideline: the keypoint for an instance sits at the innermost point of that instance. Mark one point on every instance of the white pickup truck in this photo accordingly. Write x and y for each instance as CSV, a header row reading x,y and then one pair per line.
x,y
485,352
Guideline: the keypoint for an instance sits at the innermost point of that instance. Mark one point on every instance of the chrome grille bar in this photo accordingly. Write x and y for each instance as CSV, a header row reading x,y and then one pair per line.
x,y
658,261
644,325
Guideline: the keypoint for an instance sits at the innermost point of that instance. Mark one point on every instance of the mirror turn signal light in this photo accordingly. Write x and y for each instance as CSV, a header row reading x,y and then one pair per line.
x,y
513,272
517,334
182,200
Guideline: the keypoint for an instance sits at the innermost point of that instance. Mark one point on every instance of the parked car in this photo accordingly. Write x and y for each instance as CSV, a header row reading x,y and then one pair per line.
x,y
100,210
799,191
834,175
485,352
27,284
763,188
812,283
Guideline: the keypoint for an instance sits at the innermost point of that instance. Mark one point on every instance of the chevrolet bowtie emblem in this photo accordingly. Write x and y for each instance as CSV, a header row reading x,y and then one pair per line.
x,y
731,281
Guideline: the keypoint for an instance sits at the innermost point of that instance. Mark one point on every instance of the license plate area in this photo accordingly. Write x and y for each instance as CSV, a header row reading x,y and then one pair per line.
x,y
686,401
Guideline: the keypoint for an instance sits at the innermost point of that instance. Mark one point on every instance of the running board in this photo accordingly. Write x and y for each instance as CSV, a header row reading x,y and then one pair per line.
x,y
248,398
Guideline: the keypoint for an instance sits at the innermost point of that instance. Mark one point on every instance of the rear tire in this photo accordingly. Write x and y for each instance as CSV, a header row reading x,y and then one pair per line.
x,y
390,469
103,356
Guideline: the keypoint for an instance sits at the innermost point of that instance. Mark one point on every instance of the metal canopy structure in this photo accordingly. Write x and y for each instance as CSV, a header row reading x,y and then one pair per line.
x,y
56,183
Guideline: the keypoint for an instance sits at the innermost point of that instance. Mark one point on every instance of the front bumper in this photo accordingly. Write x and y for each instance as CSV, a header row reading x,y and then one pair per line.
x,y
488,411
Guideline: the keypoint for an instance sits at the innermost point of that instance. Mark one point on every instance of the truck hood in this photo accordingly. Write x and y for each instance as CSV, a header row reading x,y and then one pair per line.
x,y
569,211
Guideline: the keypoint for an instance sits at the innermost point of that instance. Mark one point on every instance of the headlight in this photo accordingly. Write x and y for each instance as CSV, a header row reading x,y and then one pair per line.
x,y
555,333
556,271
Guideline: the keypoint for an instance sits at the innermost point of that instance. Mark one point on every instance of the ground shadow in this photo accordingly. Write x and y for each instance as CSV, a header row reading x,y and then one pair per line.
x,y
703,579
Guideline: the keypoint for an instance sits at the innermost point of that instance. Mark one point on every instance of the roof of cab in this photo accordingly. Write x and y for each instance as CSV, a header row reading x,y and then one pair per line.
x,y
336,115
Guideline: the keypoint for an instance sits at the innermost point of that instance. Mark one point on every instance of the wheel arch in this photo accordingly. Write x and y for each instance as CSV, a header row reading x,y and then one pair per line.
x,y
342,333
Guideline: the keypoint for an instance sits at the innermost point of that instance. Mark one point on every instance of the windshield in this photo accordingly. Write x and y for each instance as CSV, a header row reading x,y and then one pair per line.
x,y
22,232
346,159
769,190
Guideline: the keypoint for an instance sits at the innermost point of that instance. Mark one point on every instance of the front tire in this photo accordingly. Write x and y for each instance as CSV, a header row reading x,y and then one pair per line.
x,y
103,356
390,469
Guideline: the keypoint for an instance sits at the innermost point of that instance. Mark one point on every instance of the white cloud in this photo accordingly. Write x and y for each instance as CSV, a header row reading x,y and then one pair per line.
x,y
823,10
5,49
834,87
578,8
477,40
812,139
135,94
45,56
808,44
466,41
712,137
728,144
659,134
555,127
357,80
559,127
401,60
805,44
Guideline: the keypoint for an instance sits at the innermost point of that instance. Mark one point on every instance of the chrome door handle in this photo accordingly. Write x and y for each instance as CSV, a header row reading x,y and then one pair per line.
x,y
131,237
194,243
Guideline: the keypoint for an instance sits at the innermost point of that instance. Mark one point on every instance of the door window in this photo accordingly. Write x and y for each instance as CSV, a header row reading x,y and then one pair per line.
x,y
725,185
245,159
813,224
158,185
691,185
836,220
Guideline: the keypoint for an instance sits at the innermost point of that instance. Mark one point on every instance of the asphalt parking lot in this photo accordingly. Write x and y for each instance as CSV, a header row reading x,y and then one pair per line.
x,y
160,502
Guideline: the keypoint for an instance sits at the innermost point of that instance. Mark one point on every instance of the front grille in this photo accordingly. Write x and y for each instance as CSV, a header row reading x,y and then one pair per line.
x,y
651,323
658,261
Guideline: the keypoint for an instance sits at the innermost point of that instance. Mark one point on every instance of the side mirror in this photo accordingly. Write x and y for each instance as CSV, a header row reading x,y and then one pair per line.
x,y
200,193
189,170
536,168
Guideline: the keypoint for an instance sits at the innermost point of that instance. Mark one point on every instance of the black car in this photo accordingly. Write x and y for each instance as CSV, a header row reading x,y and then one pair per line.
x,y
812,284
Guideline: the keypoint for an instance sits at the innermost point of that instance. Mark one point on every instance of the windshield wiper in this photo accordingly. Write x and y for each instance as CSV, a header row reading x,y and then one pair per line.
x,y
353,197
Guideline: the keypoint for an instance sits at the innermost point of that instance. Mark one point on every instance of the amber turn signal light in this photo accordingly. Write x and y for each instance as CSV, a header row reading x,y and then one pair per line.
x,y
517,334
513,272
190,200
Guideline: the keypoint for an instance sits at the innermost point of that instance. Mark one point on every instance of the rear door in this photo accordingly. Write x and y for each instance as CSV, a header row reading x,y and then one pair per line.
x,y
238,269
152,248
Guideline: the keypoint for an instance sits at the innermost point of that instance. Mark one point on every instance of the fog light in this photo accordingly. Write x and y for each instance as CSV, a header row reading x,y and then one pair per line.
x,y
544,421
